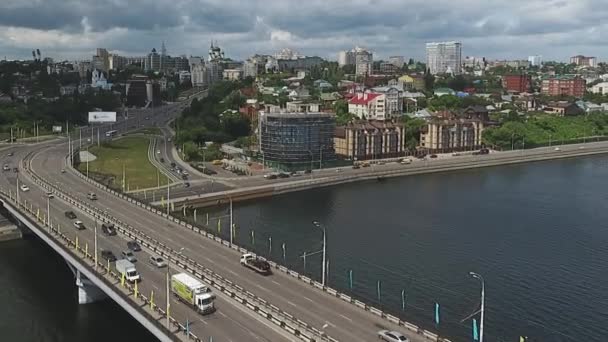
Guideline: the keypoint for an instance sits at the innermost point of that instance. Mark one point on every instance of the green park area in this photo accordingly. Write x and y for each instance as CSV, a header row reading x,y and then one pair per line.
x,y
129,154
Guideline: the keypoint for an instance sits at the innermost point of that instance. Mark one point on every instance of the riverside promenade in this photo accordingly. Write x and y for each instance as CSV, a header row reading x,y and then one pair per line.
x,y
257,187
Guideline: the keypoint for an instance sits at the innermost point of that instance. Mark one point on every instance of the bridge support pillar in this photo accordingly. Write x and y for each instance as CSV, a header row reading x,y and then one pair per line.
x,y
87,291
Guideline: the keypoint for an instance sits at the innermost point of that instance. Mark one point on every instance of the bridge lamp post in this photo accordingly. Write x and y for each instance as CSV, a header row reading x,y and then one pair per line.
x,y
168,294
48,210
322,227
480,278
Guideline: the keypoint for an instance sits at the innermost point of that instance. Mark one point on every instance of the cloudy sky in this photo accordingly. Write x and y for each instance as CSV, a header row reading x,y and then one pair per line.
x,y
72,29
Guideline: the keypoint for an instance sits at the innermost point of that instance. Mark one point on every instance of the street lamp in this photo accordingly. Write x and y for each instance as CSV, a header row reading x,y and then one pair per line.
x,y
311,161
477,276
168,295
320,226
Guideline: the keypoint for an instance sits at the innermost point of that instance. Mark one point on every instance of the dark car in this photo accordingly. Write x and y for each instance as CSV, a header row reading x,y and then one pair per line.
x,y
15,169
209,172
172,164
134,246
108,255
162,160
433,156
10,154
70,214
283,175
184,177
187,185
307,171
108,229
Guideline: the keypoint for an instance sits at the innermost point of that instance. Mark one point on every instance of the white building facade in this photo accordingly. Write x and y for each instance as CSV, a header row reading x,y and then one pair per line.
x,y
444,57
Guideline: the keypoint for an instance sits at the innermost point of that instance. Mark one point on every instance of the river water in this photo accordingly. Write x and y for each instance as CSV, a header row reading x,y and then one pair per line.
x,y
538,233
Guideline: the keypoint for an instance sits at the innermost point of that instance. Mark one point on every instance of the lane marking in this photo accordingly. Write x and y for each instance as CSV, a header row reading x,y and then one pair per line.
x,y
276,282
262,287
223,314
202,320
346,318
308,299
290,303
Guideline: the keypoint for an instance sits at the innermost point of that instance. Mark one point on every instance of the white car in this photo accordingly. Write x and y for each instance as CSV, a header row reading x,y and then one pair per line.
x,y
79,225
392,336
24,188
129,256
158,261
557,149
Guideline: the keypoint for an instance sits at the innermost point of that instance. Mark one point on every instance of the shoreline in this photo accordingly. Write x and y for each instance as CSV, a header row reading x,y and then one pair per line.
x,y
416,168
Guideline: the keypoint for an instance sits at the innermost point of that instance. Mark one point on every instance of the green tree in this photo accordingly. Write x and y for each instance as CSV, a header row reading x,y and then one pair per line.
x,y
429,80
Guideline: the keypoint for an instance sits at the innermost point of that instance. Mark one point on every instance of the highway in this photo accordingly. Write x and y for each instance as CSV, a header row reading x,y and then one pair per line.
x,y
229,323
341,320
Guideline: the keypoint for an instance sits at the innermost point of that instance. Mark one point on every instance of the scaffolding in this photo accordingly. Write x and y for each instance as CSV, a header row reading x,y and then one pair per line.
x,y
297,141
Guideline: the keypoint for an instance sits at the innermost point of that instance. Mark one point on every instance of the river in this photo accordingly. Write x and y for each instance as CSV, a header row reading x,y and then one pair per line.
x,y
537,233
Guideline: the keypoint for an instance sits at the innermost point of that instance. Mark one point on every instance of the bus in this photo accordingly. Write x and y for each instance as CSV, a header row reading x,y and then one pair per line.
x,y
110,134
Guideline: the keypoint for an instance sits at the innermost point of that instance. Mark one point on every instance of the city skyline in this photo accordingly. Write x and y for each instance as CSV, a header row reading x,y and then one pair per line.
x,y
554,29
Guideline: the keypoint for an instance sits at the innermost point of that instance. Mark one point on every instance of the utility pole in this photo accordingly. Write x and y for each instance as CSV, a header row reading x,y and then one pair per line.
x,y
95,244
123,177
231,222
98,137
168,195
80,139
48,211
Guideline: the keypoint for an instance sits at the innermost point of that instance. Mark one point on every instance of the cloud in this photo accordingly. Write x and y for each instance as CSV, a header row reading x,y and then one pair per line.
x,y
490,28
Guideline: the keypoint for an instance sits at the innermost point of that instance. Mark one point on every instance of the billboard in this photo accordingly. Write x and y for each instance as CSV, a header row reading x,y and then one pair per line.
x,y
57,129
102,117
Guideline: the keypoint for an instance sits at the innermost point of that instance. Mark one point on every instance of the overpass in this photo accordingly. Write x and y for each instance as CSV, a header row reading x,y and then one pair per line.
x,y
286,306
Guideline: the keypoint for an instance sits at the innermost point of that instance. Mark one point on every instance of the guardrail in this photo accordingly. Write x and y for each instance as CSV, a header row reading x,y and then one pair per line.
x,y
71,246
333,292
263,308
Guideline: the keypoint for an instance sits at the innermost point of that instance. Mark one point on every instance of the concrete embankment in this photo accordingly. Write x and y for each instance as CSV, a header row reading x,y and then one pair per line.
x,y
418,167
8,231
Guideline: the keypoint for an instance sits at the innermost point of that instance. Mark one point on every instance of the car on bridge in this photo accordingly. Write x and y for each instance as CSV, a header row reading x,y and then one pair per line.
x,y
70,214
134,246
392,336
15,169
24,188
92,196
6,167
79,225
10,154
108,229
129,256
158,261
108,255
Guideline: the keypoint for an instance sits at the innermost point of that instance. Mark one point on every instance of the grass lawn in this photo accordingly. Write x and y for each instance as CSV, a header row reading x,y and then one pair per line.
x,y
130,153
148,130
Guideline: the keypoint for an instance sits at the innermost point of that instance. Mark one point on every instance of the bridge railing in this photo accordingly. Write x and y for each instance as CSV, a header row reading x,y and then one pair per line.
x,y
282,319
333,292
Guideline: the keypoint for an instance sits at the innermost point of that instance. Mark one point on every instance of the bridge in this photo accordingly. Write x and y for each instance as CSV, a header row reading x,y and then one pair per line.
x,y
285,306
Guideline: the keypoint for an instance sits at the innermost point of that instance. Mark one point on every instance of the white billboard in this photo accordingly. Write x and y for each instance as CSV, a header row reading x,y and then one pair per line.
x,y
102,117
57,129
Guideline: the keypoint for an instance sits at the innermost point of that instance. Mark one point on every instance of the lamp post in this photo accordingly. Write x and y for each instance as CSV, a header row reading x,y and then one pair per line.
x,y
311,161
168,295
480,278
320,226
48,211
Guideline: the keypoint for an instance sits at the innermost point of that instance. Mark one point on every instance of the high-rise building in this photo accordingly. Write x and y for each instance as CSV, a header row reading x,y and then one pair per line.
x,y
346,58
444,57
584,61
567,85
152,62
535,60
363,61
101,60
198,72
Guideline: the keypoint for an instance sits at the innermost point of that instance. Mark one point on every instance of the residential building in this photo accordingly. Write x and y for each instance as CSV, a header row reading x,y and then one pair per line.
x,y
393,100
398,61
439,92
563,108
444,57
388,68
600,88
346,58
295,141
369,106
141,91
412,82
185,77
322,85
117,62
580,60
568,85
101,60
447,132
363,62
517,83
67,90
287,53
152,61
535,61
303,63
232,74
253,67
364,140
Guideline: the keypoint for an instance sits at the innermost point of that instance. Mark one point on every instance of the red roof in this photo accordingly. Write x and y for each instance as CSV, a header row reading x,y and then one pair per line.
x,y
363,99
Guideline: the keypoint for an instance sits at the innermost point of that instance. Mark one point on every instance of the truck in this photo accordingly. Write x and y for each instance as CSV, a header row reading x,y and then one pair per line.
x,y
127,268
191,291
259,265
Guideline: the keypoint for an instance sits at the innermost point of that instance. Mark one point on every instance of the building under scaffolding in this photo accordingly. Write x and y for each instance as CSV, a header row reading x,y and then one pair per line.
x,y
297,141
